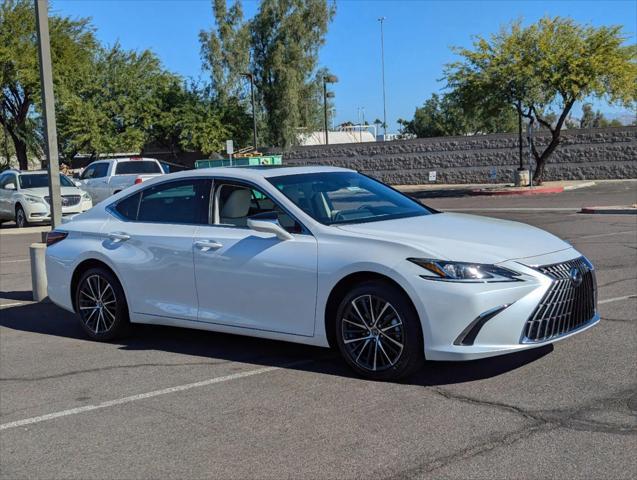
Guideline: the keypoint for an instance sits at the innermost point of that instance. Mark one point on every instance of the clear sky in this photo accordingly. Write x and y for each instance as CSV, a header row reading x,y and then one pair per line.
x,y
418,35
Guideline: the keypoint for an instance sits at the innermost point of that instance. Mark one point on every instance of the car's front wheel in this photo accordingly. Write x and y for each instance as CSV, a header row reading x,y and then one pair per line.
x,y
101,305
378,331
21,217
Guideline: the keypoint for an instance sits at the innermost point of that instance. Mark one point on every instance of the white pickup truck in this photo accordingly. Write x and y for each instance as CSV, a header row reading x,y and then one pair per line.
x,y
103,178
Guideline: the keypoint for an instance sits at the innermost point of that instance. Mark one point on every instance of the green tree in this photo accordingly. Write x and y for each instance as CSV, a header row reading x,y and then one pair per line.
x,y
225,51
72,47
199,122
445,115
118,106
546,67
588,116
285,39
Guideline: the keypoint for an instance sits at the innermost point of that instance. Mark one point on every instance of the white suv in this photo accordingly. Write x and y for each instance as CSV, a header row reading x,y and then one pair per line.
x,y
24,197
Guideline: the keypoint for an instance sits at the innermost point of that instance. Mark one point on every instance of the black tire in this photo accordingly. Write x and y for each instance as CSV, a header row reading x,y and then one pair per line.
x,y
397,323
100,305
21,217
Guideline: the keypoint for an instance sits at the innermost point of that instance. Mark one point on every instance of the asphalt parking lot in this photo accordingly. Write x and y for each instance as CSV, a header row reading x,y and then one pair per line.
x,y
174,403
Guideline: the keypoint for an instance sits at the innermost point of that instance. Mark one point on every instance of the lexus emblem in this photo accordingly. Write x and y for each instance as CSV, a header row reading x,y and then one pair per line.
x,y
576,277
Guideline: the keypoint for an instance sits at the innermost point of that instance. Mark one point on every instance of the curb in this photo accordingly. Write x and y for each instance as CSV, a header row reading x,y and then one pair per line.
x,y
529,191
610,210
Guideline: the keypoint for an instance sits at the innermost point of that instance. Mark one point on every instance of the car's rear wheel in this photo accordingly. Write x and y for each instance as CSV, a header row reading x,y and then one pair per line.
x,y
101,305
378,332
21,217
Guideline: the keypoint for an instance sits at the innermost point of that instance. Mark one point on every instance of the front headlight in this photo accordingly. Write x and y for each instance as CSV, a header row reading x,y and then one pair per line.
x,y
85,196
447,271
33,199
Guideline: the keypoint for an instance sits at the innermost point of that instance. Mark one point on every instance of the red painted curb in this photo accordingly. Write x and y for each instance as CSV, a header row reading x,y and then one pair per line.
x,y
530,191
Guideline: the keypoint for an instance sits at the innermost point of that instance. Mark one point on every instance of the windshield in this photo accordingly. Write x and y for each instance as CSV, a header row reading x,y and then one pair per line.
x,y
346,197
129,167
39,180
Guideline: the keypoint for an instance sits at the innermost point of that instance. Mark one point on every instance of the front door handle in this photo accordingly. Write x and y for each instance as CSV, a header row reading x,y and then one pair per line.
x,y
119,236
206,245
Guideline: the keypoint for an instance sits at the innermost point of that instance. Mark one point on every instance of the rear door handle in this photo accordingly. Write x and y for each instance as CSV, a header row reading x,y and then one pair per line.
x,y
118,236
207,245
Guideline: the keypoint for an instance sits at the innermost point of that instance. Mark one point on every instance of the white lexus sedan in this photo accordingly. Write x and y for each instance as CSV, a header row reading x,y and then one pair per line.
x,y
322,256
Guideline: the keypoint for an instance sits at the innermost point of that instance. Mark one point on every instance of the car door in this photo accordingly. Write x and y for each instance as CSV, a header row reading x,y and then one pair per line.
x,y
87,179
100,181
250,279
6,196
150,240
94,180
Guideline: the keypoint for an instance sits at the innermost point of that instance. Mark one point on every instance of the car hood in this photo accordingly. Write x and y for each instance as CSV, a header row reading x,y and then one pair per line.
x,y
44,191
461,237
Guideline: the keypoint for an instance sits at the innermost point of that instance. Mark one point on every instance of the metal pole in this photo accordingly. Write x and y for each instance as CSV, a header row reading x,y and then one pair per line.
x,y
520,134
382,60
48,110
531,153
325,110
254,112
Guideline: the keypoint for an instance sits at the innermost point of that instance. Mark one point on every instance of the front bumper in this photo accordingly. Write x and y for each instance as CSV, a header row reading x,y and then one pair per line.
x,y
451,312
39,212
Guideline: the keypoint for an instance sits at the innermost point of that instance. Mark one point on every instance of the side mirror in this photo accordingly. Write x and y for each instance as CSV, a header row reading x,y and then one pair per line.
x,y
10,186
268,223
77,183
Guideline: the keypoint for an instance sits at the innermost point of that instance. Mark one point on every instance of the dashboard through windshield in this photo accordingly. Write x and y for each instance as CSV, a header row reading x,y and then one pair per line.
x,y
346,197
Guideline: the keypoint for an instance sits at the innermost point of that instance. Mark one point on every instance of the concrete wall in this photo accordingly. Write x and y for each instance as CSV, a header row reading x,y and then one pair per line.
x,y
608,153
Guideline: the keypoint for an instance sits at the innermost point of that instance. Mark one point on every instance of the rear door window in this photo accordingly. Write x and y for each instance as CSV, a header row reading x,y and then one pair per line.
x,y
131,167
183,201
129,207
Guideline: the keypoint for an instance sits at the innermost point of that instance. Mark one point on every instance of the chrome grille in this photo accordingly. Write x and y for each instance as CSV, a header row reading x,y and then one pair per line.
x,y
566,306
67,200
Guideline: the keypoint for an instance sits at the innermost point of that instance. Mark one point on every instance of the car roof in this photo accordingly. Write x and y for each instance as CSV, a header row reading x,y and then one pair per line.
x,y
124,159
33,172
253,173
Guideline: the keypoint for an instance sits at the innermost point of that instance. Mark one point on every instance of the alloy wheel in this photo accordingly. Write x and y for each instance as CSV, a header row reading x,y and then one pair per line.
x,y
20,218
372,333
97,304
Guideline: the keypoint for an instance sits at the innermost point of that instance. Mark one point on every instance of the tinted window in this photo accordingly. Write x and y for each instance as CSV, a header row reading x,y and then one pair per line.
x,y
129,167
128,207
95,170
101,169
346,197
6,179
184,201
38,180
89,172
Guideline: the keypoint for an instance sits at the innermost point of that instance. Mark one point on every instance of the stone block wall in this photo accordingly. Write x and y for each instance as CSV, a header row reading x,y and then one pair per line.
x,y
608,153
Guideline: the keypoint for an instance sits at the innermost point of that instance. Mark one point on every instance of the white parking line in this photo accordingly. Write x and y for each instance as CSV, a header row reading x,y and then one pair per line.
x,y
142,396
598,235
14,261
512,209
616,299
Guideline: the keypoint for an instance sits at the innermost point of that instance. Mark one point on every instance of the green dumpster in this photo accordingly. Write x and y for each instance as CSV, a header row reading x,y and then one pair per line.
x,y
240,161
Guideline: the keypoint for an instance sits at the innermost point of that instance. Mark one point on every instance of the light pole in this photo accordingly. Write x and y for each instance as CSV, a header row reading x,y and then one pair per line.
x,y
250,76
48,102
327,79
382,61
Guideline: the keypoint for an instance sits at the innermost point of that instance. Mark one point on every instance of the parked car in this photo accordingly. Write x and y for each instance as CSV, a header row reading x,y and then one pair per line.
x,y
321,256
24,197
103,178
